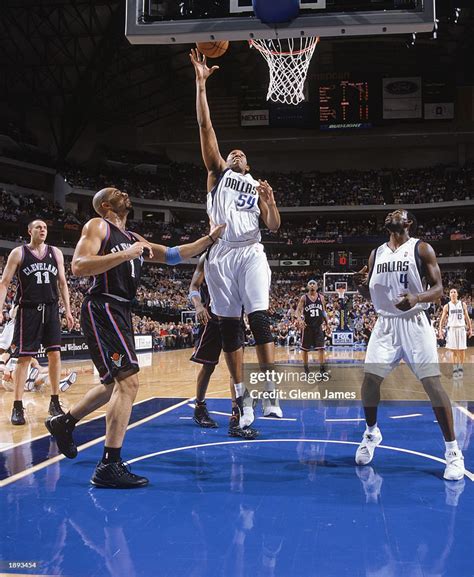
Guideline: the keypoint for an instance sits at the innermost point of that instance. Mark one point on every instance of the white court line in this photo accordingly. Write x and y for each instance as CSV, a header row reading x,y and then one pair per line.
x,y
468,474
343,420
465,411
186,418
6,446
53,460
406,416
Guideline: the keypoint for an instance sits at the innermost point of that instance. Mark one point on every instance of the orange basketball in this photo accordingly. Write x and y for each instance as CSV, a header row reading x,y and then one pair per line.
x,y
213,49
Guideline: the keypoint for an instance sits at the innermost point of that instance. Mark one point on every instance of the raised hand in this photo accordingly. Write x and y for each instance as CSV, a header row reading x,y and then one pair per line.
x,y
200,65
265,191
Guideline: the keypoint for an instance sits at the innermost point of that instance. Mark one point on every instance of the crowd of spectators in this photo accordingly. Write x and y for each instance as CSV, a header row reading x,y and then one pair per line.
x,y
186,183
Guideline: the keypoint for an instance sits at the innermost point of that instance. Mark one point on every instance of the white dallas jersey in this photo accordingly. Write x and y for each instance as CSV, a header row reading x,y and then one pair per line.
x,y
455,315
234,201
394,273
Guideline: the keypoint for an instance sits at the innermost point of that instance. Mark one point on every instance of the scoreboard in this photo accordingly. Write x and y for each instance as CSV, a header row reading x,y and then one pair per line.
x,y
344,104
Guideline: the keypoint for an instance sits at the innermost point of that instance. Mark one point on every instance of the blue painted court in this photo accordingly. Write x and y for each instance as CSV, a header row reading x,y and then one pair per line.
x,y
292,504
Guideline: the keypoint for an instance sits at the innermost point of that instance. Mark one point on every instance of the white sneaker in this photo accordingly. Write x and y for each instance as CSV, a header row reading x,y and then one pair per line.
x,y
365,451
68,382
247,417
271,410
454,465
30,381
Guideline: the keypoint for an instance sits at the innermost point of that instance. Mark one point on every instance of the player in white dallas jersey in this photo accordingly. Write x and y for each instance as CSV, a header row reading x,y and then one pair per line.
x,y
236,267
395,282
458,320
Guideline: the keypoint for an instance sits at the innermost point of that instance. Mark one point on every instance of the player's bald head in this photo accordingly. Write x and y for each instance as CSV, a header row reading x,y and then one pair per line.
x,y
100,197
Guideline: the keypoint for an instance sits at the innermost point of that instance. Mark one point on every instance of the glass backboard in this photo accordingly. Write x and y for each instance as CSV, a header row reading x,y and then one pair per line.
x,y
189,21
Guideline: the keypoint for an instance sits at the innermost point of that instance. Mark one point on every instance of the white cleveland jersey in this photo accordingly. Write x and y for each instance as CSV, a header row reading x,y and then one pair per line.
x,y
455,315
234,201
394,273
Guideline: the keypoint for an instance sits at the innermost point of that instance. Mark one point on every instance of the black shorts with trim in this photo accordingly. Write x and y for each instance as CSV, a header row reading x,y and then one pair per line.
x,y
312,337
36,325
107,327
209,346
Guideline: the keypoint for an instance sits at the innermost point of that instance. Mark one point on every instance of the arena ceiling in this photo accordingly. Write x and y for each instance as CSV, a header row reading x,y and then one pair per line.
x,y
70,61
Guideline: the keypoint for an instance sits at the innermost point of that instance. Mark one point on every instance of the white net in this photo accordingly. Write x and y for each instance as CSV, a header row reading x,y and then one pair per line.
x,y
288,61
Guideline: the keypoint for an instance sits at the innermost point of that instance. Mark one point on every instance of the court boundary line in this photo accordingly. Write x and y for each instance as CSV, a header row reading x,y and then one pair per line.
x,y
84,446
14,445
467,473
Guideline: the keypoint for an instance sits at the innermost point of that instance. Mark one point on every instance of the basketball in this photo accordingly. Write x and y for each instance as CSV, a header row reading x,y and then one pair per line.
x,y
213,49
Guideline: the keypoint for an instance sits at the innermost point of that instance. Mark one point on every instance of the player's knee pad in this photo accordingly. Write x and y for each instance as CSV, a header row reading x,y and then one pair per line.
x,y
259,322
232,334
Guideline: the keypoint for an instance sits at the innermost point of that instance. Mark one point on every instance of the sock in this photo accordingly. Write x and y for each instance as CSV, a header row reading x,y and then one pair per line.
x,y
18,404
200,403
451,445
371,429
69,420
111,455
55,399
239,389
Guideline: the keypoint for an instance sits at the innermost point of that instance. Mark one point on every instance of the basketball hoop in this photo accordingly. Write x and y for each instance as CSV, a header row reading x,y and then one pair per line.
x,y
288,61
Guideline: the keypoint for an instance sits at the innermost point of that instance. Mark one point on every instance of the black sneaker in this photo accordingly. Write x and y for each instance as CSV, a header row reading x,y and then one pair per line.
x,y
63,436
116,476
55,409
202,417
18,416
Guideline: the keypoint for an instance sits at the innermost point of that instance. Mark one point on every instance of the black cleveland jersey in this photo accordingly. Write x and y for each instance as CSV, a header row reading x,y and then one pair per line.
x,y
121,281
37,277
313,311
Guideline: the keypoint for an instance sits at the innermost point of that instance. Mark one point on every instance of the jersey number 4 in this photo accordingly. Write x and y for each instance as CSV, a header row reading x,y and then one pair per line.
x,y
404,280
246,201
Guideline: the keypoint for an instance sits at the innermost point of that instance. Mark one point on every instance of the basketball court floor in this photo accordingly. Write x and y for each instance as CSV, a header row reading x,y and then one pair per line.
x,y
290,503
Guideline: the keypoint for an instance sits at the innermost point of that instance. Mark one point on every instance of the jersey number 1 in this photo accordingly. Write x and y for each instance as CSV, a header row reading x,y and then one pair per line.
x,y
39,278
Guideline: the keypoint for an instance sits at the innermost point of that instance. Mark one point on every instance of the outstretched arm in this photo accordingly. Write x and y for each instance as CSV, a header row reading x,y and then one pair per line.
x,y
174,255
211,155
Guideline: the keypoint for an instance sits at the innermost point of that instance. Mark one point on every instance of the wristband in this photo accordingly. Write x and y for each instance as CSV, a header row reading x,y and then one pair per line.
x,y
194,294
172,255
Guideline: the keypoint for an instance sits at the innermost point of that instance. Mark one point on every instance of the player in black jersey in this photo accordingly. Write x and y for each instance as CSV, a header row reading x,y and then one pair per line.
x,y
310,317
114,257
40,271
207,353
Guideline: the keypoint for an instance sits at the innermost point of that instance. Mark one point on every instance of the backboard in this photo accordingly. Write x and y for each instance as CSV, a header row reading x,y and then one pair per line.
x,y
189,21
333,280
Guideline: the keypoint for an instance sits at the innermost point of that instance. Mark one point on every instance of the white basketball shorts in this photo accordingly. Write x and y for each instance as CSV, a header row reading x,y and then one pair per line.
x,y
237,276
410,339
7,335
456,338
